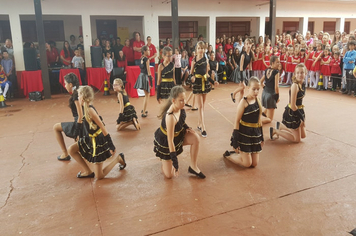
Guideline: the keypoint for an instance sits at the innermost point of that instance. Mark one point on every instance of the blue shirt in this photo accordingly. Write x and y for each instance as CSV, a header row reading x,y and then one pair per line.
x,y
7,65
349,56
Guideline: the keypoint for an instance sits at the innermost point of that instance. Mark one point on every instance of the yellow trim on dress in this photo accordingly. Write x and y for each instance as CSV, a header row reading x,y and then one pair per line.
x,y
175,133
251,125
127,104
299,107
168,80
203,80
93,136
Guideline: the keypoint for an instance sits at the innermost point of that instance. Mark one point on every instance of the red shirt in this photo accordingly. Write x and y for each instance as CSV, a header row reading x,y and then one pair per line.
x,y
170,45
217,46
138,44
190,61
122,64
128,52
69,58
227,48
152,51
52,56
335,67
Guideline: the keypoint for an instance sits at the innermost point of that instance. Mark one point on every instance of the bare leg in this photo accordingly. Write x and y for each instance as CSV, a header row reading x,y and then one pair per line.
x,y
255,159
240,91
201,111
269,118
303,134
58,133
167,169
74,152
145,101
243,159
193,103
292,135
192,139
136,123
189,97
109,167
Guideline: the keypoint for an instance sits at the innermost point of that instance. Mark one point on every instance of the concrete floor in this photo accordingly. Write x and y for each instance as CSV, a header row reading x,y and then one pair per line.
x,y
297,189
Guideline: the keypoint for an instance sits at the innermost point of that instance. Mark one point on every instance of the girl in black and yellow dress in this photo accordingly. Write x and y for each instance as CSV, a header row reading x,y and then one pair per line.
x,y
70,129
166,75
173,134
97,146
127,115
201,83
247,137
293,124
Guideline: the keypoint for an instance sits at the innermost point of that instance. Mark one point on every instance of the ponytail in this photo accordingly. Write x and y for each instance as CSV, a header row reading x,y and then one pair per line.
x,y
175,91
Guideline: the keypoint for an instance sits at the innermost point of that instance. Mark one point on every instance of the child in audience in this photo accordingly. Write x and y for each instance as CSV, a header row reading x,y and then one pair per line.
x,y
78,62
325,66
335,71
315,68
177,66
289,67
185,66
349,65
5,84
281,73
255,61
265,60
7,67
108,65
308,63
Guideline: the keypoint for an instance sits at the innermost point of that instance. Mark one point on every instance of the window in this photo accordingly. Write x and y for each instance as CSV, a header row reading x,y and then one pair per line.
x,y
5,32
53,30
347,27
187,29
329,26
290,27
232,28
311,27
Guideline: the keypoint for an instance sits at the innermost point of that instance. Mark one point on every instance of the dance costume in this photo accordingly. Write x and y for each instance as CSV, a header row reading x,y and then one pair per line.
x,y
95,147
167,81
129,111
161,147
266,59
201,84
283,61
294,64
249,136
325,68
292,119
240,75
269,96
143,78
289,68
317,64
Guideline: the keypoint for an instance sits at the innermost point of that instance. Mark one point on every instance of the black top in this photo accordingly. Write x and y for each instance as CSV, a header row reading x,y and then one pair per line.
x,y
212,65
237,58
110,50
143,66
86,124
300,95
251,112
180,124
200,66
125,98
167,71
117,49
80,46
72,106
247,60
270,82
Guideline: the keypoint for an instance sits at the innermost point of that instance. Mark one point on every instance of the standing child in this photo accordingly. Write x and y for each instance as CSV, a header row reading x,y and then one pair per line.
x,y
247,137
70,129
108,65
5,84
325,66
127,113
349,65
185,67
265,62
177,67
308,63
166,76
293,127
96,147
315,68
144,80
173,134
283,63
260,61
8,67
214,67
335,71
289,67
78,62
201,85
281,73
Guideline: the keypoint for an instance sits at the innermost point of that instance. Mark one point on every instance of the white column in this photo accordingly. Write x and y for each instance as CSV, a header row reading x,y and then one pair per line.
x,y
340,24
303,25
87,39
151,28
261,25
211,30
16,34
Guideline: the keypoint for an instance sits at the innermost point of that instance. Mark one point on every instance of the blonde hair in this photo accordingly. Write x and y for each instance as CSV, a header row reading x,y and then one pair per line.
x,y
175,91
294,79
121,83
254,79
201,44
88,97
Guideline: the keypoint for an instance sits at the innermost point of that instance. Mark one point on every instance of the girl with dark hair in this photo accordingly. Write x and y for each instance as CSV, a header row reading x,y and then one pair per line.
x,y
144,80
67,54
247,137
166,75
70,129
173,134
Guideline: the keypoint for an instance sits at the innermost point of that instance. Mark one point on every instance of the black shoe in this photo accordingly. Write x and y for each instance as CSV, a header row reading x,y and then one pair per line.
x,y
199,128
200,174
271,133
278,124
146,112
79,175
194,109
204,134
232,97
188,105
67,158
121,167
226,154
144,115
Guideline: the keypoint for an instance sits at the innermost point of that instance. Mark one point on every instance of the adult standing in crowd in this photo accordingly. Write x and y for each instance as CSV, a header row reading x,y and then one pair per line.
x,y
108,49
67,54
128,52
239,45
52,55
73,45
117,47
137,45
8,47
168,43
153,51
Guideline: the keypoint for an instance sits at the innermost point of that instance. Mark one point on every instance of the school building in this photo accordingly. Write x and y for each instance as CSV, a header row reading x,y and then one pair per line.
x,y
211,18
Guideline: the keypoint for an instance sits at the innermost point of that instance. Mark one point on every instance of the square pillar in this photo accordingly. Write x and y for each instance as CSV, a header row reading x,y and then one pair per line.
x,y
16,34
211,30
303,25
151,28
87,39
261,25
340,24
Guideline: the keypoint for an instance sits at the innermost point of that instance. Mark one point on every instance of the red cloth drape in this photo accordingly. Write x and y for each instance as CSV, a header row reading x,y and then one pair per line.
x,y
132,74
64,72
31,81
96,78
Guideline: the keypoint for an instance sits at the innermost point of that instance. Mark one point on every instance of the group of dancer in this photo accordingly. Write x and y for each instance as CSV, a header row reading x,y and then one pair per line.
x,y
93,144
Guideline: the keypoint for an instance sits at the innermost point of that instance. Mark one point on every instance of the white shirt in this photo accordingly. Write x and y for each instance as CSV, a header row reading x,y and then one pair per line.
x,y
108,64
